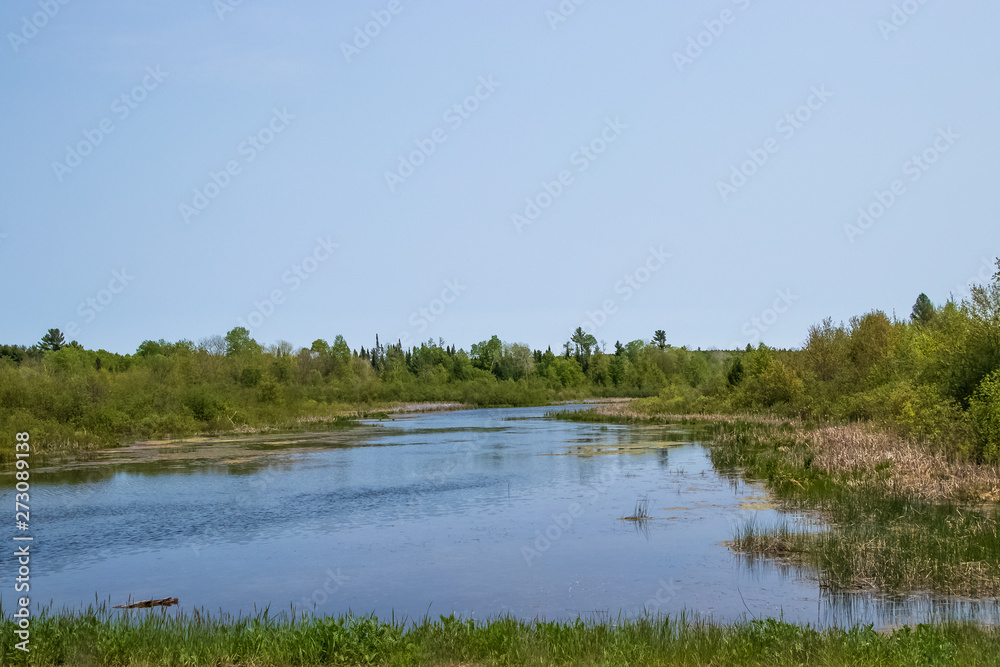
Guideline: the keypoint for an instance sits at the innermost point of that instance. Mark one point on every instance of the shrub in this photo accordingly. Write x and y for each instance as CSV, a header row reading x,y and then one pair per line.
x,y
984,410
203,406
250,377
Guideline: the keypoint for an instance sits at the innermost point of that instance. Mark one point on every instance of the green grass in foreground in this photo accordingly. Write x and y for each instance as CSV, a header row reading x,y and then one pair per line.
x,y
160,637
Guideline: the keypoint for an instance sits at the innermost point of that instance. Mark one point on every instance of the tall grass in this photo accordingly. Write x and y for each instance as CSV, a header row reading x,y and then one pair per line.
x,y
882,534
97,636
641,511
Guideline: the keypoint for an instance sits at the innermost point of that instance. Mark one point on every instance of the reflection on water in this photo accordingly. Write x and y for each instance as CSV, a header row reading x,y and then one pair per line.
x,y
479,513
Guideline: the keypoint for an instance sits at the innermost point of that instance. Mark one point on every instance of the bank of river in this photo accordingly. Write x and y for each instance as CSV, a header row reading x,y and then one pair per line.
x,y
473,512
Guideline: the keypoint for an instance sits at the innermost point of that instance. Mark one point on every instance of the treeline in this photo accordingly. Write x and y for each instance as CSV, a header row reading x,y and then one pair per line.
x,y
67,394
934,375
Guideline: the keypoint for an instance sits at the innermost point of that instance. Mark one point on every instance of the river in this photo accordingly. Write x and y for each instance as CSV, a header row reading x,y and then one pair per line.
x,y
478,513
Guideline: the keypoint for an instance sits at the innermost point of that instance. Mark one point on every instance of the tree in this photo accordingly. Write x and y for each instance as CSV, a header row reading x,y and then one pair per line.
x,y
871,340
377,354
214,346
148,348
52,341
487,354
923,310
660,338
984,410
341,351
735,373
15,353
599,370
583,342
320,347
516,363
826,350
983,351
239,342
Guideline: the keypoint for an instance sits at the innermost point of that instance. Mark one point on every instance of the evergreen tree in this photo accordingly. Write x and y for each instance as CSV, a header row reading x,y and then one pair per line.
x,y
660,338
923,310
53,340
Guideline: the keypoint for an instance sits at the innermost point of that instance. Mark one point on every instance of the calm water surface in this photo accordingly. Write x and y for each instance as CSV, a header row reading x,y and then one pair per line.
x,y
479,512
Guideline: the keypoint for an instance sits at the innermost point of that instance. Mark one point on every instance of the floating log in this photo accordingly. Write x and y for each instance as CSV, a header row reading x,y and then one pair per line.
x,y
145,604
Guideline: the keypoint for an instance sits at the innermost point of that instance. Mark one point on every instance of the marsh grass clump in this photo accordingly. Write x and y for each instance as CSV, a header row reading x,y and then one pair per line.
x,y
641,511
777,542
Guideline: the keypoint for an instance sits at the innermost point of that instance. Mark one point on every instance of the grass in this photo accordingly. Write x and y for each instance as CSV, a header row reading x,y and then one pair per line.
x,y
893,524
641,511
98,636
640,411
898,516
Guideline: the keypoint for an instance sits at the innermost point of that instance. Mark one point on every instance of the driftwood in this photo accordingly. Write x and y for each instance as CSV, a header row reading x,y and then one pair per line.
x,y
145,604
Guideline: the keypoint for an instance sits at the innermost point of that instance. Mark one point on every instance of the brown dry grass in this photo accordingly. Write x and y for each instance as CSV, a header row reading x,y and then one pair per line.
x,y
914,469
624,410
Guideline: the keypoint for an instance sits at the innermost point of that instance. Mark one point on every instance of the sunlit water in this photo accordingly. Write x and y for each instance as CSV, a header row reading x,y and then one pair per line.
x,y
480,513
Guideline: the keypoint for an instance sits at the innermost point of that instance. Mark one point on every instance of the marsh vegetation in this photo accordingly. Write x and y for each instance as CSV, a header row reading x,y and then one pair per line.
x,y
97,636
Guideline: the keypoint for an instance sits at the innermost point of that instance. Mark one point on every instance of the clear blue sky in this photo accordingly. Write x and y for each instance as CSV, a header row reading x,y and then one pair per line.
x,y
116,113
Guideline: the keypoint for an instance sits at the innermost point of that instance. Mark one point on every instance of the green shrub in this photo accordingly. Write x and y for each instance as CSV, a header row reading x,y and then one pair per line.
x,y
250,377
984,410
203,406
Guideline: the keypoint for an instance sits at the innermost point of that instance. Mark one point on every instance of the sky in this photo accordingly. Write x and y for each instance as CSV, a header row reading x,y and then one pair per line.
x,y
731,172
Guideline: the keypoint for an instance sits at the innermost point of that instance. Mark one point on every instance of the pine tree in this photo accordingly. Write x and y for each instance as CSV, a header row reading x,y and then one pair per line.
x,y
53,340
923,310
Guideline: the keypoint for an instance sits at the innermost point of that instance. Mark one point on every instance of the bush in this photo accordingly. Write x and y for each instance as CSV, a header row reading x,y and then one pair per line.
x,y
250,377
984,410
203,406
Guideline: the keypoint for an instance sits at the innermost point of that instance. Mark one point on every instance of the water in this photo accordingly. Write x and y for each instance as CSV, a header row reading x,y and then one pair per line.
x,y
480,513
